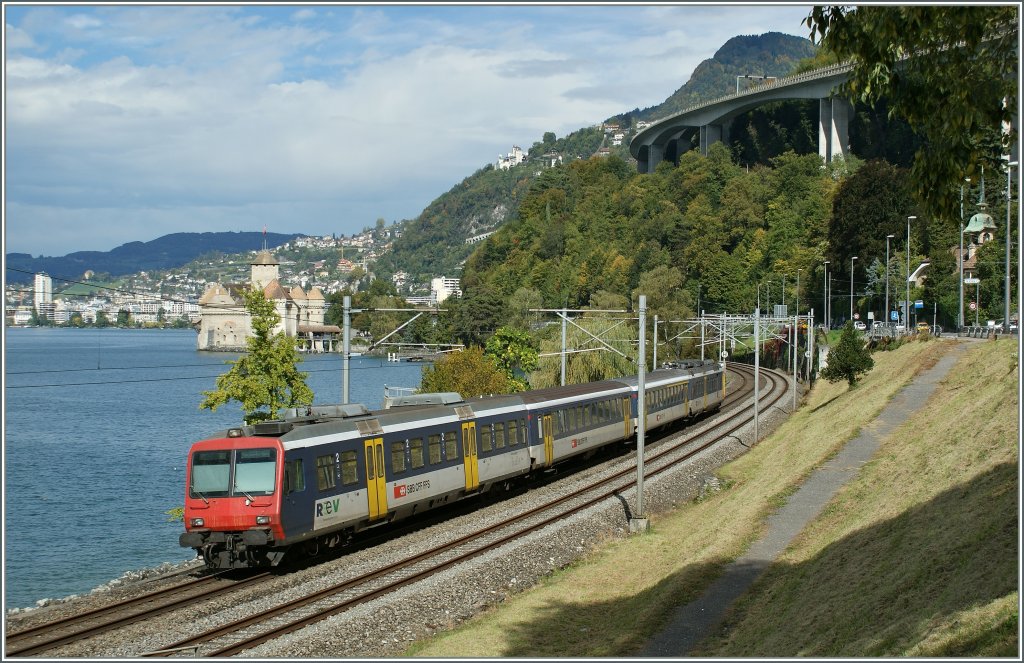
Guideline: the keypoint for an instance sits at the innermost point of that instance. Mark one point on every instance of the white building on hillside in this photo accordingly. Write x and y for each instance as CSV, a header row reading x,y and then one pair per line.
x,y
513,158
442,288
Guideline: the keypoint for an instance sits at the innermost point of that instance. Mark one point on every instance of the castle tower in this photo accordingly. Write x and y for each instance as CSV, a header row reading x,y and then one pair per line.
x,y
265,269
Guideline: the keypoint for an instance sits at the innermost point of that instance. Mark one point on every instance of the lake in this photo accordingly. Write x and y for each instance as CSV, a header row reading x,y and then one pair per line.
x,y
97,427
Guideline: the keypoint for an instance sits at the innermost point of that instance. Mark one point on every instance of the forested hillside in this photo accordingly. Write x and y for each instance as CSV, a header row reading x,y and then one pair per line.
x,y
709,224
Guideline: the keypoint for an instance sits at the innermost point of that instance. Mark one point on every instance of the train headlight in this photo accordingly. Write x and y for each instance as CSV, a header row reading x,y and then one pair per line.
x,y
262,520
198,522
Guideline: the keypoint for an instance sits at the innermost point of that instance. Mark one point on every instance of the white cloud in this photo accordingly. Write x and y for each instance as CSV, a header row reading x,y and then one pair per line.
x,y
206,118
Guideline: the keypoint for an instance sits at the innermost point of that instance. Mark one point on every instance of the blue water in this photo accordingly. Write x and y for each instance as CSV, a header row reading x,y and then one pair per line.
x,y
97,426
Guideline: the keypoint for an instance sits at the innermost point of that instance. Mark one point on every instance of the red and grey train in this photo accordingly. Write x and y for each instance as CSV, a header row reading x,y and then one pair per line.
x,y
323,473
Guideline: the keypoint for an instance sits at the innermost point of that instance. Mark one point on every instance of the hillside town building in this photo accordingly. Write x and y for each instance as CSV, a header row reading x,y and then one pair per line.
x,y
513,158
225,324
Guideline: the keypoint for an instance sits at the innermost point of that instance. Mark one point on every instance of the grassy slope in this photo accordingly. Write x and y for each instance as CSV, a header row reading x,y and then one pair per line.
x,y
929,528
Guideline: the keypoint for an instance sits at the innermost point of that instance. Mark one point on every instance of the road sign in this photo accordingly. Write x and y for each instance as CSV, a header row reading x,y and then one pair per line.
x,y
972,281
856,316
974,306
894,315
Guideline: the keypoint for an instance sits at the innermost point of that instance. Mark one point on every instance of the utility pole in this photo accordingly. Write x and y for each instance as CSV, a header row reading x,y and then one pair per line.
x,y
564,323
346,347
639,523
1006,285
757,369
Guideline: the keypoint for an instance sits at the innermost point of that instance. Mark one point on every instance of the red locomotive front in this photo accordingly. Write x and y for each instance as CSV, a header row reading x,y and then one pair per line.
x,y
233,501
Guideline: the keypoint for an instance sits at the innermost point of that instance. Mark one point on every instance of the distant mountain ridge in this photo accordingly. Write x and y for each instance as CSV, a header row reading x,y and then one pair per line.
x,y
770,54
167,252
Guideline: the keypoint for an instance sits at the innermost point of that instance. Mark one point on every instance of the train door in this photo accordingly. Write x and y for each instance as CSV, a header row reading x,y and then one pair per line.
x,y
376,484
549,441
627,419
469,456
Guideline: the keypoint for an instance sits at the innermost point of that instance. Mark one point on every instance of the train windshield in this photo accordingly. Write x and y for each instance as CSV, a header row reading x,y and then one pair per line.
x,y
238,473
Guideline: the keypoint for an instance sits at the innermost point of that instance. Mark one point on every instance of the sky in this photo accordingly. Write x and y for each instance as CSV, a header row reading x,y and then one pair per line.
x,y
129,122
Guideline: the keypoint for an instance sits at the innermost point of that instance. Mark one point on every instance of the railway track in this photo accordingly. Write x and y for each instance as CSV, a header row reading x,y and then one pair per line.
x,y
293,615
43,637
290,616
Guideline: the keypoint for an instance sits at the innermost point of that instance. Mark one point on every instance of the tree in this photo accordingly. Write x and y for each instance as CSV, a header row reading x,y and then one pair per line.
x,y
515,355
102,319
124,318
950,71
265,379
469,372
849,358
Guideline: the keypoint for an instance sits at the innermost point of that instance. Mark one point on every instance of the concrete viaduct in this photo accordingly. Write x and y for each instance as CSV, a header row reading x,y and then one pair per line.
x,y
667,139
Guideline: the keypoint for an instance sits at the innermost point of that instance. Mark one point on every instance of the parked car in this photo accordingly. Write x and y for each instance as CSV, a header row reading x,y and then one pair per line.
x,y
923,327
859,326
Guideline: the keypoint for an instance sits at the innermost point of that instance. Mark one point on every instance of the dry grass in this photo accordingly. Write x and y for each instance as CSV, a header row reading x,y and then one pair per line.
x,y
918,555
611,603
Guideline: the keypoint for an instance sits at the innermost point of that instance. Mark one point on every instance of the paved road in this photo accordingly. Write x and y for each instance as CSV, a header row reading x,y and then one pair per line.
x,y
692,622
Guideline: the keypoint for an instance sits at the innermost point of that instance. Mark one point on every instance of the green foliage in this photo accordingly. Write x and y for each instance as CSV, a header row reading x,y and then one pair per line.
x,y
266,378
469,372
514,353
849,358
869,205
950,71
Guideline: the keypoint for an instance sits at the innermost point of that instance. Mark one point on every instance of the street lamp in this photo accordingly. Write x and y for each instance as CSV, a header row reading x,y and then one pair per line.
x,y
887,238
960,311
825,303
851,286
906,312
1006,286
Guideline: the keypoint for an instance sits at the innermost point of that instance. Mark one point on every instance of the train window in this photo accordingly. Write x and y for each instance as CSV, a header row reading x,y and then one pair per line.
x,y
579,417
435,448
210,472
294,479
499,435
416,452
255,472
522,431
451,447
485,437
513,433
560,422
325,472
398,457
349,471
